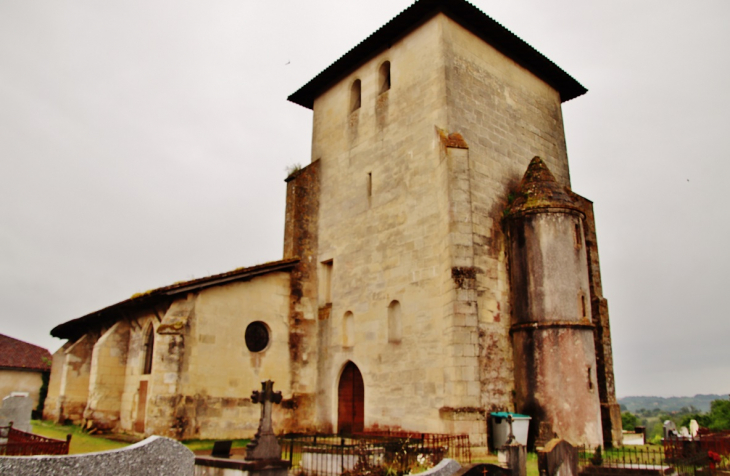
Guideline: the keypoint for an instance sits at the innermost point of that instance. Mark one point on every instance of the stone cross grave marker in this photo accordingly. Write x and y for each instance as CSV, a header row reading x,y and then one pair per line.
x,y
264,446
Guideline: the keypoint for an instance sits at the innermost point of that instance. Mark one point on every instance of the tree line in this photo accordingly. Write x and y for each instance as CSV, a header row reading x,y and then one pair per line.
x,y
717,419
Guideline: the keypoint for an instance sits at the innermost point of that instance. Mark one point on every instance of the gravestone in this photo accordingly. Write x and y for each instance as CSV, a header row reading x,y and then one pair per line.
x,y
17,408
694,427
152,457
222,449
670,430
264,446
684,432
558,458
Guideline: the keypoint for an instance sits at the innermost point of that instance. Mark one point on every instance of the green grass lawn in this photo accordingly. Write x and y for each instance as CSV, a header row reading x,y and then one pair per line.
x,y
206,445
80,442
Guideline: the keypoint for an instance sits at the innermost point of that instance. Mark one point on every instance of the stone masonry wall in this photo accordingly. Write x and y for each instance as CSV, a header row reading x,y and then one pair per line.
x,y
107,377
610,411
203,373
301,240
383,223
52,408
74,388
506,115
129,400
21,381
220,372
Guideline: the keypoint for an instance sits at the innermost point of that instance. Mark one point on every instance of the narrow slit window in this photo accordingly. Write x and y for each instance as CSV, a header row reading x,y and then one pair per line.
x,y
583,305
384,77
327,281
355,96
590,379
149,349
348,330
578,236
370,184
395,322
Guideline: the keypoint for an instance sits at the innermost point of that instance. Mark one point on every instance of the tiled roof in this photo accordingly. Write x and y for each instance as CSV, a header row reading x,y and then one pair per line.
x,y
462,12
77,327
16,354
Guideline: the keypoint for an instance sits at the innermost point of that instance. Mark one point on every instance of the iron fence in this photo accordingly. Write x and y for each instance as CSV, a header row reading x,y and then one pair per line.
x,y
709,450
626,460
681,456
20,443
394,453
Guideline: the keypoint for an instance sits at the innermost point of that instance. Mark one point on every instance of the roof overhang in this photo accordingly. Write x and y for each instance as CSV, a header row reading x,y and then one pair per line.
x,y
104,317
465,14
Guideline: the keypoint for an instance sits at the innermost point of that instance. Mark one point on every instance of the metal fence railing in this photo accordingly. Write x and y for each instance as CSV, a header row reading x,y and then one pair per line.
x,y
707,453
14,442
371,453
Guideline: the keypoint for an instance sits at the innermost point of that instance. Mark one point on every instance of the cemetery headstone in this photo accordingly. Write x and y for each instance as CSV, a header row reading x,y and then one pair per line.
x,y
558,458
222,449
154,456
694,427
17,407
264,446
670,430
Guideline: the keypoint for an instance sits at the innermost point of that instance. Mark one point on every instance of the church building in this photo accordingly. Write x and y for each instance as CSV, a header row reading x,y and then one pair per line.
x,y
436,267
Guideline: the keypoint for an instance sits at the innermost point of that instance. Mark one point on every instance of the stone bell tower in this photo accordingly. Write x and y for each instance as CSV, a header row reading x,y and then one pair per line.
x,y
552,330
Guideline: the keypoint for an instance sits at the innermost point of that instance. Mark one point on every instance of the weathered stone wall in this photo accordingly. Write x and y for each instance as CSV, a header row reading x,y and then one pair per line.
x,y
301,241
507,116
203,373
555,358
130,406
52,407
21,381
610,410
383,219
74,388
413,185
107,377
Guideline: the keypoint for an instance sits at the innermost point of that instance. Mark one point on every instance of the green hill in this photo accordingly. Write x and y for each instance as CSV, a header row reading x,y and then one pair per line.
x,y
669,404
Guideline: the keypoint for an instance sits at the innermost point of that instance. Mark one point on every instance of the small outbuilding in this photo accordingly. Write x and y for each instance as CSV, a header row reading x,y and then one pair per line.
x,y
23,367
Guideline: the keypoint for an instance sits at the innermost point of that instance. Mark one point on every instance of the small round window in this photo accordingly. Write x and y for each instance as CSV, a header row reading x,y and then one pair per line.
x,y
257,336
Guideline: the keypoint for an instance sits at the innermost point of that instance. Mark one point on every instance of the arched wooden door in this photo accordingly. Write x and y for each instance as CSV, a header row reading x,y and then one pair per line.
x,y
350,401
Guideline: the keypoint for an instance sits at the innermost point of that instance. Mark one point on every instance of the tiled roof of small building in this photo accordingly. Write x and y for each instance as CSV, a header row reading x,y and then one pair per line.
x,y
16,354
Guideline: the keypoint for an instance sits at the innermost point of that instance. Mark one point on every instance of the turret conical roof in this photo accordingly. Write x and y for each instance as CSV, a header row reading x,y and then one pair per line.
x,y
539,189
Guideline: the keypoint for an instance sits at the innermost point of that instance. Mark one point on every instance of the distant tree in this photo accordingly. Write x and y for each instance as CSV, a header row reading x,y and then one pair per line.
x,y
719,415
717,419
629,421
703,420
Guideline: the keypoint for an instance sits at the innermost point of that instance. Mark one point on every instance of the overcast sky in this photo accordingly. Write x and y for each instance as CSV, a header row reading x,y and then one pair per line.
x,y
144,143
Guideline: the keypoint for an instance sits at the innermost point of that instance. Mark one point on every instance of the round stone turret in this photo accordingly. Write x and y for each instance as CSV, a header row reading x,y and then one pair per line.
x,y
551,328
